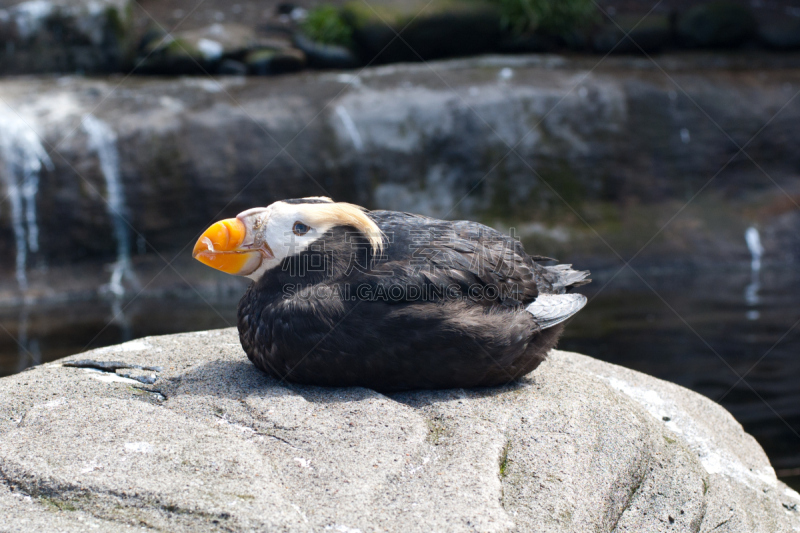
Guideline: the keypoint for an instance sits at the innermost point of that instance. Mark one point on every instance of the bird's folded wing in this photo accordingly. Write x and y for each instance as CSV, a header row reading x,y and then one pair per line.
x,y
551,309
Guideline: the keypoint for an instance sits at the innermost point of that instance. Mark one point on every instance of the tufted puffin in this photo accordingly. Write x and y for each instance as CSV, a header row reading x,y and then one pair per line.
x,y
342,296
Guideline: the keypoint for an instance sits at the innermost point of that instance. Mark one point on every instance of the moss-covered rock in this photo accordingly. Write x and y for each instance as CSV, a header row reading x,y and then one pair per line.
x,y
167,55
264,62
321,55
562,18
531,26
391,32
220,40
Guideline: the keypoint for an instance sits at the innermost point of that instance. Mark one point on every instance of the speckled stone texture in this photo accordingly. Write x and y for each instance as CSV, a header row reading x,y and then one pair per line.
x,y
579,445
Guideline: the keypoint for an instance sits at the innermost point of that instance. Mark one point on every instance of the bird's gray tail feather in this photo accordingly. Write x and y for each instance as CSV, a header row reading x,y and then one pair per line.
x,y
565,277
551,309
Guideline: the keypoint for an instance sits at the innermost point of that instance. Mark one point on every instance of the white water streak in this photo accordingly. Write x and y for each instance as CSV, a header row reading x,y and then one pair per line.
x,y
753,240
103,141
350,126
30,187
23,158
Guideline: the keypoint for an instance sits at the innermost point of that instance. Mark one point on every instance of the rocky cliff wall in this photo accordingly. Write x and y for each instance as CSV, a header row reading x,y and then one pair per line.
x,y
583,160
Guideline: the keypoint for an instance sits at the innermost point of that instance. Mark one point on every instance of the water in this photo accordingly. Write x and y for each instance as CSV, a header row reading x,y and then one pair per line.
x,y
23,159
103,141
48,332
624,323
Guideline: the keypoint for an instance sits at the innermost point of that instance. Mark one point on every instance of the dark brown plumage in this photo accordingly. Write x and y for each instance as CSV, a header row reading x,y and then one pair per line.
x,y
444,304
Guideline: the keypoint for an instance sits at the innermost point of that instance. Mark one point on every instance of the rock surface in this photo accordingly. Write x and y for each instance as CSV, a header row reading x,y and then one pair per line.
x,y
214,444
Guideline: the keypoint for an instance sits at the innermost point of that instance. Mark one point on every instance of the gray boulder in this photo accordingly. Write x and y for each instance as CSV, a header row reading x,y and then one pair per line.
x,y
213,444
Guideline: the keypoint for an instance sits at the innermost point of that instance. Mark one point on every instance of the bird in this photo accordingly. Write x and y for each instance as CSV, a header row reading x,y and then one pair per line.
x,y
342,296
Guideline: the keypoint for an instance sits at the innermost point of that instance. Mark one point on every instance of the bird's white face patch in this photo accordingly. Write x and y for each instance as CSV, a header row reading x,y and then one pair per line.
x,y
285,228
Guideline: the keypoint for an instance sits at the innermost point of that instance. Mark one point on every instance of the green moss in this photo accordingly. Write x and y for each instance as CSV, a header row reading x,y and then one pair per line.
x,y
180,48
56,504
326,24
504,459
115,23
546,16
397,15
119,21
258,56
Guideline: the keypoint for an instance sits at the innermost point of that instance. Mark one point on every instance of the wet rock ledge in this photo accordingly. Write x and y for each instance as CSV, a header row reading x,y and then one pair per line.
x,y
181,433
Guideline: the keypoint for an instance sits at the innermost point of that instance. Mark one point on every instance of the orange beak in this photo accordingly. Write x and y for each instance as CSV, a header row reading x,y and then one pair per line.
x,y
220,247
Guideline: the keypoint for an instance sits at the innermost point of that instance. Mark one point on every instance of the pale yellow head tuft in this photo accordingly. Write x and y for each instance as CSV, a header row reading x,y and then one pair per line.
x,y
343,214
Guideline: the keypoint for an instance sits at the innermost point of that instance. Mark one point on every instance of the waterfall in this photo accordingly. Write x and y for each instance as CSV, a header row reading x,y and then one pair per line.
x,y
24,156
753,240
103,141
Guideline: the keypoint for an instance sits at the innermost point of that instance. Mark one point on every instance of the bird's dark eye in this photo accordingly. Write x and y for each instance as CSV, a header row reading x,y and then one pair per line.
x,y
300,229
